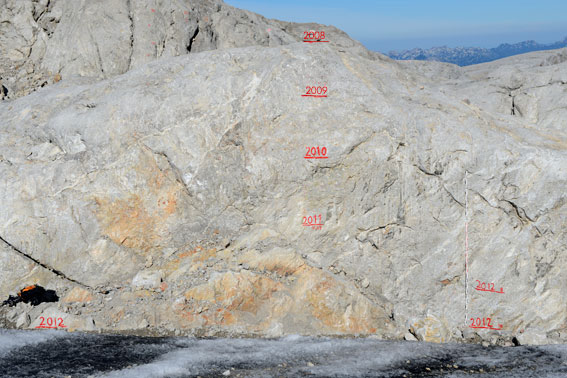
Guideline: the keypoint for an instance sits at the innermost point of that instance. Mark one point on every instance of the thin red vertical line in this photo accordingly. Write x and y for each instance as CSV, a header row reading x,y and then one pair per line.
x,y
466,250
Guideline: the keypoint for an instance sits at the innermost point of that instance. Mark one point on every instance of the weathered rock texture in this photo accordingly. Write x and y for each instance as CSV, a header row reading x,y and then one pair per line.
x,y
171,197
45,41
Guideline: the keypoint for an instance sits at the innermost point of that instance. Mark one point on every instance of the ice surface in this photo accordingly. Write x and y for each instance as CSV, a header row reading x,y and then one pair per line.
x,y
12,339
342,356
59,354
326,357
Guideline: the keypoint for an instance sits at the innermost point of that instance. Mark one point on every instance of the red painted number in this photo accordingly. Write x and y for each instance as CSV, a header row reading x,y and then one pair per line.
x,y
316,90
311,220
51,323
481,322
315,152
487,286
314,35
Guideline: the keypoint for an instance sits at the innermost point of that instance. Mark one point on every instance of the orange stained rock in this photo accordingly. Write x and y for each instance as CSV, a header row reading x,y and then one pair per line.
x,y
157,179
219,317
173,264
432,329
236,291
183,255
201,293
337,306
227,318
78,294
188,315
127,222
200,255
245,292
192,318
205,255
334,316
130,222
117,315
207,320
168,204
284,263
171,203
163,286
139,218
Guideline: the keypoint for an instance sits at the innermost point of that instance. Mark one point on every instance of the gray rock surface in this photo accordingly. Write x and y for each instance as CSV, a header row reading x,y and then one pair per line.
x,y
194,166
45,41
147,280
23,320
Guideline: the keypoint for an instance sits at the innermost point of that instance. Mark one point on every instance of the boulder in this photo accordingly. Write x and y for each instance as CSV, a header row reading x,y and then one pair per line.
x,y
192,170
23,320
147,280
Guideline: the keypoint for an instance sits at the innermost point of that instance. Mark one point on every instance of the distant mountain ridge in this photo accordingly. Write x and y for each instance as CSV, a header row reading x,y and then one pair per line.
x,y
465,56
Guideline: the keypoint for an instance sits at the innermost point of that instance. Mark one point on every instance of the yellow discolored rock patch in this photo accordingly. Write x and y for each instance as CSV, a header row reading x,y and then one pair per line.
x,y
281,286
127,222
243,291
138,219
78,294
431,329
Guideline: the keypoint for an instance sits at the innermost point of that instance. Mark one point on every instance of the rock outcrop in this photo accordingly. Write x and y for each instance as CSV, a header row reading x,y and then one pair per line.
x,y
170,196
45,41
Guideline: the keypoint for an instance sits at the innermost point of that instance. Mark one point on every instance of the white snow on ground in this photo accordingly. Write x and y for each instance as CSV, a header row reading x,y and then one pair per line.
x,y
344,356
556,348
13,339
288,356
327,357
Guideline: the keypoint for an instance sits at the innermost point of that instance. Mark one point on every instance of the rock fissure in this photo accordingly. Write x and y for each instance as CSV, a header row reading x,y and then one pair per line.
x,y
174,169
560,82
520,212
98,55
385,226
515,109
192,39
43,265
320,168
132,31
435,174
356,145
453,197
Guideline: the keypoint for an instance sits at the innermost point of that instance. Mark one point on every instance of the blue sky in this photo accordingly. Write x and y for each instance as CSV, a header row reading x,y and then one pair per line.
x,y
385,25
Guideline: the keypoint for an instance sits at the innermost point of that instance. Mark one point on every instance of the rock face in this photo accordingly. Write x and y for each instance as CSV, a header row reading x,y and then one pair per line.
x,y
171,196
44,41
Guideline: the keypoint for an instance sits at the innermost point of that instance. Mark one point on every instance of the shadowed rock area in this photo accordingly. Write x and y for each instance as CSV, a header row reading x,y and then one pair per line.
x,y
165,193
